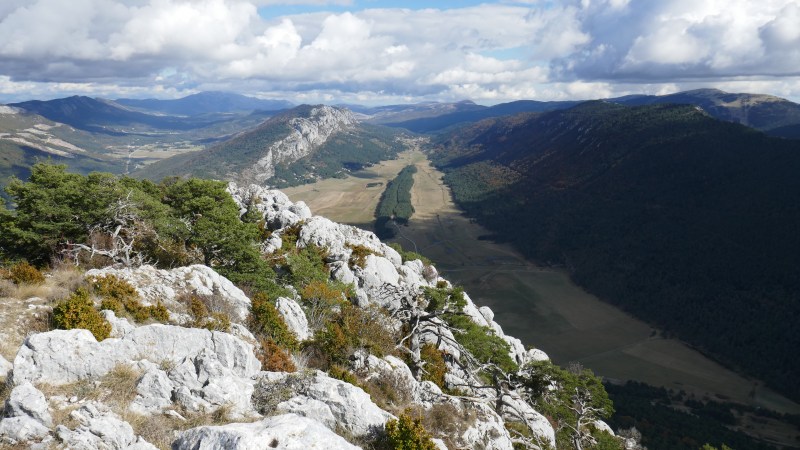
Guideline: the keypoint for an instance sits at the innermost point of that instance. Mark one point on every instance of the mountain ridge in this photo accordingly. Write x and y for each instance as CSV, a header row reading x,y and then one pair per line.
x,y
659,209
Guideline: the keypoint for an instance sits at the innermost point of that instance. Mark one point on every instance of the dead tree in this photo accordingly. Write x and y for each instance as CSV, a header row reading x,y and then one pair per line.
x,y
116,238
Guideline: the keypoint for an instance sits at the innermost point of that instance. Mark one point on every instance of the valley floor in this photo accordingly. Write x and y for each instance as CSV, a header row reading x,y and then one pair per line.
x,y
540,306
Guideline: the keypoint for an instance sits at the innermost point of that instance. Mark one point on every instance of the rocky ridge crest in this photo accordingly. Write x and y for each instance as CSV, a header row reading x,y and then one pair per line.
x,y
176,373
307,134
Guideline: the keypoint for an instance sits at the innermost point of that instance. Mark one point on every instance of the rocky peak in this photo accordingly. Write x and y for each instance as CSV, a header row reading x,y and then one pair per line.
x,y
309,130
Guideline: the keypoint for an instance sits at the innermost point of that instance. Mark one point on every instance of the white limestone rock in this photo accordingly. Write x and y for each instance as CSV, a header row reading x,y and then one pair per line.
x,y
5,367
338,239
488,431
153,393
327,400
340,271
165,286
286,432
100,428
119,325
515,409
22,429
26,400
376,272
64,356
294,317
536,355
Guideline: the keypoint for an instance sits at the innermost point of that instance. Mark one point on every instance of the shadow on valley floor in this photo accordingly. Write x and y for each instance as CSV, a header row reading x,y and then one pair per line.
x,y
545,309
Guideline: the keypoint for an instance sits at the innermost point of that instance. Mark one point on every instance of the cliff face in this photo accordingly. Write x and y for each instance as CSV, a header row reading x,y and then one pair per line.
x,y
149,384
305,135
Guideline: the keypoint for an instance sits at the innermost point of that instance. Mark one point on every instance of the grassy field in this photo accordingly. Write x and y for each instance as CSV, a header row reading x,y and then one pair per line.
x,y
353,199
540,306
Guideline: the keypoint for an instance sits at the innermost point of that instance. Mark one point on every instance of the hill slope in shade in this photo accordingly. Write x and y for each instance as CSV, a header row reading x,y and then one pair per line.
x,y
206,103
685,221
438,123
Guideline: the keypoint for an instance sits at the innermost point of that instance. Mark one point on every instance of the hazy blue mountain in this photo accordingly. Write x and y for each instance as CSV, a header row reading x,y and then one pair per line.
x,y
206,103
100,115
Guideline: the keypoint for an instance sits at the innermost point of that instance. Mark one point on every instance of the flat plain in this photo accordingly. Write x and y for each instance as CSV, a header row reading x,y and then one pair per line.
x,y
539,305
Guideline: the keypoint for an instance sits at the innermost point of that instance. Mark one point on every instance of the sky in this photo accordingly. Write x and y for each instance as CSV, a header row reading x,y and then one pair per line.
x,y
391,51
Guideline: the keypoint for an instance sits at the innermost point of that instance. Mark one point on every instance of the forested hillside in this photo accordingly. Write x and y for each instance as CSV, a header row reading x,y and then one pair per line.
x,y
685,221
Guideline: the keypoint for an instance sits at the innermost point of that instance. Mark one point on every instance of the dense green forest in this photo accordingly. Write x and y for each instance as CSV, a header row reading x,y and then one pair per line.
x,y
670,420
394,207
685,221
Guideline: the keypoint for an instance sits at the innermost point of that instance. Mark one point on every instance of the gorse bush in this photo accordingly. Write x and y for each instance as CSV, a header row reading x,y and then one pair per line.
x,y
274,358
202,317
358,255
434,368
408,433
78,311
24,273
353,328
265,320
121,297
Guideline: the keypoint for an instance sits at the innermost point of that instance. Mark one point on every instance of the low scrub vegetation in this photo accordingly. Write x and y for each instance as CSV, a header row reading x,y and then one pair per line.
x,y
78,311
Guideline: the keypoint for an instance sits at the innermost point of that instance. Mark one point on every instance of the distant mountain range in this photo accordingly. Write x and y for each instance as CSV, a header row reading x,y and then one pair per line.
x,y
773,115
206,103
684,220
104,116
124,134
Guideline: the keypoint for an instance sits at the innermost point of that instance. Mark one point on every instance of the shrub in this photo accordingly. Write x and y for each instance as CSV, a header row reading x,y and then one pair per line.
x,y
274,358
24,273
341,373
307,265
409,255
389,390
353,328
203,318
78,311
265,320
358,255
435,367
111,286
407,433
121,297
484,345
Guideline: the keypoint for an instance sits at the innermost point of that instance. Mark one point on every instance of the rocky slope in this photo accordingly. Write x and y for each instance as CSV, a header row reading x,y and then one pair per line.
x,y
162,385
306,134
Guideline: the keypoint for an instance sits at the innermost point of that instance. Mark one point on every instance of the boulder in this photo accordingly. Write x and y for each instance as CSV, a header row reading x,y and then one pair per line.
x,y
335,403
26,400
286,431
22,429
61,357
100,429
153,392
338,239
275,207
294,317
